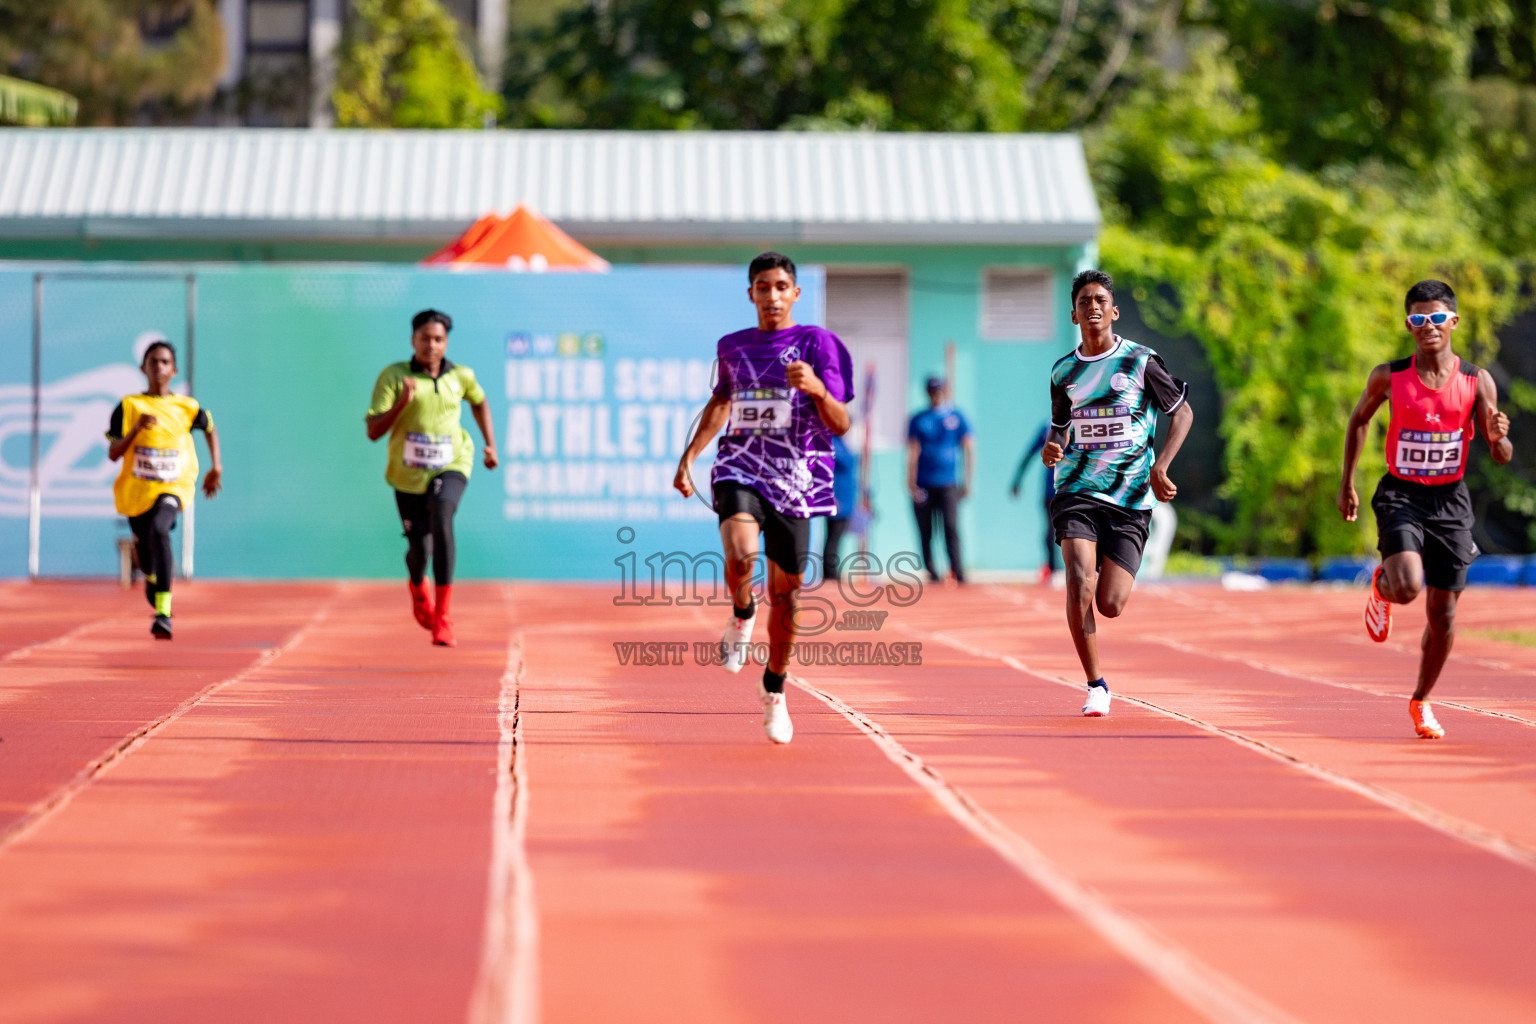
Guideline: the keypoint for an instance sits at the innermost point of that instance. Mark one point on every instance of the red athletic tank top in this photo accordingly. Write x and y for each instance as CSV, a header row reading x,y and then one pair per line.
x,y
1430,429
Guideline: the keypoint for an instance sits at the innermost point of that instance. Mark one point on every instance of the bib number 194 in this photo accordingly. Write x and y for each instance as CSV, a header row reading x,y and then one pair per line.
x,y
760,411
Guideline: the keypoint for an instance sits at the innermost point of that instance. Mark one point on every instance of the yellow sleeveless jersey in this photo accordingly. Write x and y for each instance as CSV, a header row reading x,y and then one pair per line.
x,y
162,459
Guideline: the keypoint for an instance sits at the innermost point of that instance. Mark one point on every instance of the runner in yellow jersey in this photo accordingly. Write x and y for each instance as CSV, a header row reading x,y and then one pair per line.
x,y
430,456
152,434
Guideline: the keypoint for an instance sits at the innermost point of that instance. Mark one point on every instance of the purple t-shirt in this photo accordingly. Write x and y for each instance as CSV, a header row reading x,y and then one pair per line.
x,y
774,440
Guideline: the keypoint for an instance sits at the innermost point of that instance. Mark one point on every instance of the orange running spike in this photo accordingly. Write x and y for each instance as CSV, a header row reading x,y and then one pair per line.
x,y
1424,721
442,627
1378,613
421,605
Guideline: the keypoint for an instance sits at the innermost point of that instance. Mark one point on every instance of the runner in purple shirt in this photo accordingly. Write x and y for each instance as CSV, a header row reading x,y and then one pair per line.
x,y
780,398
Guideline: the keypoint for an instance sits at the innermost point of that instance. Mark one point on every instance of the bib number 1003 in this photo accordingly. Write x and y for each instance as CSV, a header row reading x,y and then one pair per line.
x,y
1428,453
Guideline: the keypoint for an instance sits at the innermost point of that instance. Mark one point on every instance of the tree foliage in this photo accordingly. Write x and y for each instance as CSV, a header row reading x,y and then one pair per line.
x,y
402,64
1293,283
125,61
928,65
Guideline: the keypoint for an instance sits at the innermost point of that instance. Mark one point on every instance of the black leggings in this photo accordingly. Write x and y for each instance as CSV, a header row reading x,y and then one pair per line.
x,y
152,537
835,530
428,522
942,503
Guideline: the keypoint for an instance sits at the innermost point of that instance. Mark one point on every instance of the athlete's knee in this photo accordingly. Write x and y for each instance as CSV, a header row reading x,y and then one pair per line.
x,y
784,589
1403,588
1111,605
1441,616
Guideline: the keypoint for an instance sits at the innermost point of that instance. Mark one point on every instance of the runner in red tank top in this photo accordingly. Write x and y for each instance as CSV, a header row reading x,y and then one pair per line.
x,y
1423,511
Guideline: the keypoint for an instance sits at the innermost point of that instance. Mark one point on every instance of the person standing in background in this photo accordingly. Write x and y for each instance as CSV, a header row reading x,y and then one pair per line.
x,y
936,438
1048,566
845,494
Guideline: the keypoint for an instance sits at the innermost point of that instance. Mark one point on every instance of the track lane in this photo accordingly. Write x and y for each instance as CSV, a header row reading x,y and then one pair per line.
x,y
66,705
717,877
1483,773
1242,860
307,844
48,612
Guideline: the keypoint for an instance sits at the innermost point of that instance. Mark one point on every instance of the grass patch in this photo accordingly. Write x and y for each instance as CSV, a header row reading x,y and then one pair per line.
x,y
1187,563
1523,637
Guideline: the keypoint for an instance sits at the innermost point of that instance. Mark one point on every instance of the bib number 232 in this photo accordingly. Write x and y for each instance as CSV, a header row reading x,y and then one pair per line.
x,y
428,451
1101,428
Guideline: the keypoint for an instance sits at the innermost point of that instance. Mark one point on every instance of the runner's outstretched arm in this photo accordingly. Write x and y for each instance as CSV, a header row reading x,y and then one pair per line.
x,y
1494,424
488,431
1033,450
1178,430
710,421
1377,387
213,480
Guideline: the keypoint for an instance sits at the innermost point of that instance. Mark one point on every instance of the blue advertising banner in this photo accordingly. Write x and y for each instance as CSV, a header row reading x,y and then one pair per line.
x,y
594,382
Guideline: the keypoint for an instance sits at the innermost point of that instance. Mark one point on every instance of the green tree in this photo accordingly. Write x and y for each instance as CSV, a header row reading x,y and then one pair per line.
x,y
123,60
402,64
765,64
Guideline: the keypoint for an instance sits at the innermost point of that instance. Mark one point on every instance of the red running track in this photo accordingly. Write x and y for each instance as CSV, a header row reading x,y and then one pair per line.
x,y
299,810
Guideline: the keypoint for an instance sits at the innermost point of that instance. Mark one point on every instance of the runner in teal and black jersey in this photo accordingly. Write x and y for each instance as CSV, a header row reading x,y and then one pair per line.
x,y
1106,396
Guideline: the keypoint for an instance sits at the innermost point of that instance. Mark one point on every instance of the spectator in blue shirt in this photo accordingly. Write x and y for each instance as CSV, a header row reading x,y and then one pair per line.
x,y
845,490
936,439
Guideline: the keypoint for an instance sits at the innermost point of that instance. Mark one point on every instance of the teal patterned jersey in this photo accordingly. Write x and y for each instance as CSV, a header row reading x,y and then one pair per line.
x,y
1109,405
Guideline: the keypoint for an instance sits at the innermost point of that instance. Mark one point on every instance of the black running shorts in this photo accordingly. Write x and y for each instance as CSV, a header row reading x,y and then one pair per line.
x,y
1119,532
1433,519
786,539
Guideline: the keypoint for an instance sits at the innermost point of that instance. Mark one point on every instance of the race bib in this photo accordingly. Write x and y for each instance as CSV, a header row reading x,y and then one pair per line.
x,y
1428,452
159,464
1101,428
760,411
427,451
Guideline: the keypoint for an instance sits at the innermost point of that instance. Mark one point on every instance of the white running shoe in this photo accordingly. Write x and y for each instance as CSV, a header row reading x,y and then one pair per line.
x,y
1098,702
776,721
733,645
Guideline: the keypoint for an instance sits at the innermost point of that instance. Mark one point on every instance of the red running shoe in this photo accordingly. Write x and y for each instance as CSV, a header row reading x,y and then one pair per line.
x,y
421,605
1378,612
442,627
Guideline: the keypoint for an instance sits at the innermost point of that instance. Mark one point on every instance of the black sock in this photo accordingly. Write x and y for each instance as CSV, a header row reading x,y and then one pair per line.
x,y
773,681
1099,682
748,611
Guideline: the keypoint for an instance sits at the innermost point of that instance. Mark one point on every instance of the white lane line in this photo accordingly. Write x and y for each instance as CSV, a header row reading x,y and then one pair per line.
x,y
1471,659
62,640
1450,825
53,803
1323,681
1204,989
506,989
1177,645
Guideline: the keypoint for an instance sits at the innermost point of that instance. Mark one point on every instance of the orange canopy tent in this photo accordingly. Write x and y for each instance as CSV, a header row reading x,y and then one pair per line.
x,y
523,241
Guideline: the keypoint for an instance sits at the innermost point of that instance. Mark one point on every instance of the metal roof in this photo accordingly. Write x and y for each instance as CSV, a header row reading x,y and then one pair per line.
x,y
613,187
